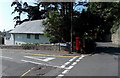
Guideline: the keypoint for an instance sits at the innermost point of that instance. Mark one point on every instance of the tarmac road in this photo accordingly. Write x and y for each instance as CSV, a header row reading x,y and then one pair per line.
x,y
33,64
103,64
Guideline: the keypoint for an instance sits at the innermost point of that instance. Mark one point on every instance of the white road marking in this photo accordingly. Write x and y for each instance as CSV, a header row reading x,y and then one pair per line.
x,y
81,57
6,57
67,63
32,62
64,65
60,75
74,63
70,67
65,71
45,59
77,60
72,59
48,59
39,63
75,57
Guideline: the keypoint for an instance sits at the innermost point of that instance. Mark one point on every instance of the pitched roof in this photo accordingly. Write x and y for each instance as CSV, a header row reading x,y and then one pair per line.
x,y
33,27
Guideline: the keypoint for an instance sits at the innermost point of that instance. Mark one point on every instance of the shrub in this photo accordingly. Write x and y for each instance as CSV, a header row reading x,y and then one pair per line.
x,y
88,46
28,46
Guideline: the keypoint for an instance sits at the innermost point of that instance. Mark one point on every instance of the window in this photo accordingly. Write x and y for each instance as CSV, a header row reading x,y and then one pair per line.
x,y
28,36
19,37
36,36
7,38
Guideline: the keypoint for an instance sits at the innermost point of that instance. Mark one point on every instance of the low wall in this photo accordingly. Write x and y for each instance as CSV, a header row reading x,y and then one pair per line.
x,y
116,36
37,47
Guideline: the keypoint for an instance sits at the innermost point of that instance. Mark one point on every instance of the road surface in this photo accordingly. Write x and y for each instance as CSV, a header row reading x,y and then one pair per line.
x,y
20,63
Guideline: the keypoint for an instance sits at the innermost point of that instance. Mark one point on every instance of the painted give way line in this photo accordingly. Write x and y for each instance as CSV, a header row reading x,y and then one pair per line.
x,y
45,59
6,57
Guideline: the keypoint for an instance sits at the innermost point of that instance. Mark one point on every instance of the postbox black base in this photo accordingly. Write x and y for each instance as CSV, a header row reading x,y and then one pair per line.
x,y
78,51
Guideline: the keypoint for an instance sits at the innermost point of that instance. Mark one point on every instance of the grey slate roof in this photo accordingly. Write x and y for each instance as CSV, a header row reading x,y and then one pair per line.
x,y
33,27
7,33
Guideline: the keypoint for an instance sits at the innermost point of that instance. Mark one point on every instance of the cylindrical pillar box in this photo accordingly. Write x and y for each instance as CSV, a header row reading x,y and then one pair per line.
x,y
77,44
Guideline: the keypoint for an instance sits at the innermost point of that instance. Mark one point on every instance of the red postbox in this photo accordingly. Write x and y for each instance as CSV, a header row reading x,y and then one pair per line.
x,y
77,44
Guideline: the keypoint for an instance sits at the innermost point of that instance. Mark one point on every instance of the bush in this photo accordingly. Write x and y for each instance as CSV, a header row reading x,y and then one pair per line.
x,y
28,46
88,46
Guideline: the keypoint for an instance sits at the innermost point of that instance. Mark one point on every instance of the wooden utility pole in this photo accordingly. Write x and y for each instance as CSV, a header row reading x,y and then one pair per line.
x,y
71,31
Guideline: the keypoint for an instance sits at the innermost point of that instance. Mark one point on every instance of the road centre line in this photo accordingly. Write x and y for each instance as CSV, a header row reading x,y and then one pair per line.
x,y
6,57
26,72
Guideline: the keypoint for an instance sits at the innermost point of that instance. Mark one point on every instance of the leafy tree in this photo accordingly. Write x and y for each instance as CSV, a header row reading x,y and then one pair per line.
x,y
110,12
33,12
99,19
18,9
57,27
87,23
58,21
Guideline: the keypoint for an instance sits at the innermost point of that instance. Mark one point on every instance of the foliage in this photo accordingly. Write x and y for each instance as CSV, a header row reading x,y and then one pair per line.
x,y
58,23
96,21
30,45
110,12
87,24
99,19
115,26
55,27
33,12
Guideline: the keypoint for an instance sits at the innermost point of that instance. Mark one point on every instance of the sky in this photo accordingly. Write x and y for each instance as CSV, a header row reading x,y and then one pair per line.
x,y
6,19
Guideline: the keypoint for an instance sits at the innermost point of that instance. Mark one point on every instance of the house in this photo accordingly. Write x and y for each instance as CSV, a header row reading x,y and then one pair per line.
x,y
116,36
7,38
27,32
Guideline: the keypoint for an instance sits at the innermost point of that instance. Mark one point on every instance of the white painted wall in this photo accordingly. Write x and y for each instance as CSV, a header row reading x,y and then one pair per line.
x,y
9,41
116,36
22,39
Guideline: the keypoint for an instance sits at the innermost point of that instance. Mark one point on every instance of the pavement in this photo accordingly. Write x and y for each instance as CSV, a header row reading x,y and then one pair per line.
x,y
44,52
35,63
